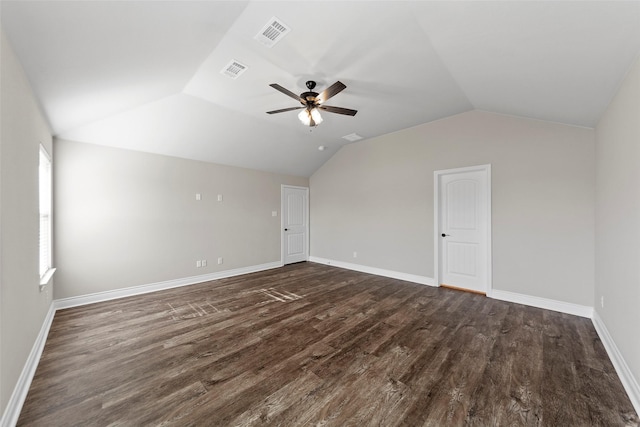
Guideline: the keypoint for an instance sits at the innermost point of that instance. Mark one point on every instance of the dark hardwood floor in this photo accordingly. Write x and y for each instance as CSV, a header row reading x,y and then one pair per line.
x,y
309,344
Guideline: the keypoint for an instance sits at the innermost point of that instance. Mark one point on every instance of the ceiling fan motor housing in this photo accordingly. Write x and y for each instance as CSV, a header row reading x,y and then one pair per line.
x,y
310,98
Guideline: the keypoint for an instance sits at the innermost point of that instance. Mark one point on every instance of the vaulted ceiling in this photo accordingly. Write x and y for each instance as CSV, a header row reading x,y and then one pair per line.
x,y
146,75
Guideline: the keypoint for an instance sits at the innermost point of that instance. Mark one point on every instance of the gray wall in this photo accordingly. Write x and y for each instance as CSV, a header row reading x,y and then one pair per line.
x,y
23,307
376,197
618,219
126,218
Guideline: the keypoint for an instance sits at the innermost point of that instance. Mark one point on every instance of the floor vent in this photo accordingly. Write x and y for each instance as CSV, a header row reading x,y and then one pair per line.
x,y
233,69
272,32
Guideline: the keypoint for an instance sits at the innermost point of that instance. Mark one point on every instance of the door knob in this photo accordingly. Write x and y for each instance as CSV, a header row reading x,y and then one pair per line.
x,y
445,235
286,229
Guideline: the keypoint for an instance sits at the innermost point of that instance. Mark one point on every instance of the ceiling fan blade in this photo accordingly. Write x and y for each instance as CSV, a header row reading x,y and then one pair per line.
x,y
332,90
338,110
286,92
284,110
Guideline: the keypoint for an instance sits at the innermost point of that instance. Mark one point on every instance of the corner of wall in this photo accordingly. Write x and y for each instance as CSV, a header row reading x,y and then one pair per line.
x,y
629,382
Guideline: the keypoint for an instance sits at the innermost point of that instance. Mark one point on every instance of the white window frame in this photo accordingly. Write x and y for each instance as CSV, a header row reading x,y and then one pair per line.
x,y
45,211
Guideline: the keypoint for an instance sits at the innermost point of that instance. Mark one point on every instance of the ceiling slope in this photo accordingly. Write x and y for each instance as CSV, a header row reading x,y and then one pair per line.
x,y
146,75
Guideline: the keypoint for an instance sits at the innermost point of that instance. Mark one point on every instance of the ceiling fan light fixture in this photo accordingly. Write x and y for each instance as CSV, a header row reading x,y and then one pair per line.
x,y
310,100
315,114
307,115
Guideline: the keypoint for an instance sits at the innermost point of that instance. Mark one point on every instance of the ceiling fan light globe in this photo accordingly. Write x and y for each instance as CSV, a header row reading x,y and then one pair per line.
x,y
305,117
315,114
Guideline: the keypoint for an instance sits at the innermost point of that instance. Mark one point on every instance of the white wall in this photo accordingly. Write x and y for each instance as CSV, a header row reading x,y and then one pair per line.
x,y
23,307
376,197
618,220
126,218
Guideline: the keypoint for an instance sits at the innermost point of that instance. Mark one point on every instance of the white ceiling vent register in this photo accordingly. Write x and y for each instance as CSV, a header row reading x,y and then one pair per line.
x,y
352,137
272,32
233,69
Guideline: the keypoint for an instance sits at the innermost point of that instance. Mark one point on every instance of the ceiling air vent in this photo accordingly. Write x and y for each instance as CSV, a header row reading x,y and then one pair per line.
x,y
233,69
352,137
272,32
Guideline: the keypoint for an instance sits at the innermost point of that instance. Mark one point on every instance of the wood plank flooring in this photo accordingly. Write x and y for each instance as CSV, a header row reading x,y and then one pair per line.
x,y
309,344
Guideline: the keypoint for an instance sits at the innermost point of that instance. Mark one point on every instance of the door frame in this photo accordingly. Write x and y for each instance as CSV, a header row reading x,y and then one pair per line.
x,y
282,208
437,176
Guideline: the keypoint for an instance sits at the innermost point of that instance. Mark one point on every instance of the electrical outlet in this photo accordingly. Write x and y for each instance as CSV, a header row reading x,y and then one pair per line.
x,y
220,260
219,197
198,196
355,254
204,262
198,264
602,301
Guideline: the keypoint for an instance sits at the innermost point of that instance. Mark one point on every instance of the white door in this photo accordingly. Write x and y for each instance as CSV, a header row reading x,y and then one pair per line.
x,y
295,224
463,232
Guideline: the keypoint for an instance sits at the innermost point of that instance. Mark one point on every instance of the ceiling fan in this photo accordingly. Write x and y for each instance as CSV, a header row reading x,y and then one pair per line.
x,y
312,102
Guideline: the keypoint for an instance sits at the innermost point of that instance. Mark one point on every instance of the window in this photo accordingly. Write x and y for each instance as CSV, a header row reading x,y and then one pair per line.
x,y
45,187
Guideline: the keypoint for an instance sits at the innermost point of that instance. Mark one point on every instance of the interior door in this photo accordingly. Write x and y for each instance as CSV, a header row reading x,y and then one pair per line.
x,y
463,230
295,222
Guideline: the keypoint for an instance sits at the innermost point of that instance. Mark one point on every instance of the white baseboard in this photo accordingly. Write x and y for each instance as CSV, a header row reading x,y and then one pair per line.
x,y
423,280
159,286
629,382
547,304
14,406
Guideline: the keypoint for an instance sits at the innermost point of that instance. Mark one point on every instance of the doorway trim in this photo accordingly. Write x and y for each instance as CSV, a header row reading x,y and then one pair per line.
x,y
308,216
437,176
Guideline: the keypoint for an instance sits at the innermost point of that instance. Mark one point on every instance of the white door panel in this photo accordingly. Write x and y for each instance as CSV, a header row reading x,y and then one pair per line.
x,y
295,218
463,229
